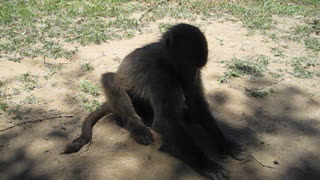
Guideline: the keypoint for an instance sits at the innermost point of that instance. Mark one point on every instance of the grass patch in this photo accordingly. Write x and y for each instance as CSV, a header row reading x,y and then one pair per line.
x,y
53,69
88,96
87,101
89,104
277,51
258,93
42,28
303,33
301,67
2,94
253,14
20,109
253,18
258,14
31,28
183,9
87,67
29,100
307,29
253,66
272,36
89,88
3,105
29,81
276,74
163,27
313,44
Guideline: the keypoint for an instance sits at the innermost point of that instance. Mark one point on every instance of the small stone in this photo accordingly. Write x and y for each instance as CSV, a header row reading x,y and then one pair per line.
x,y
276,162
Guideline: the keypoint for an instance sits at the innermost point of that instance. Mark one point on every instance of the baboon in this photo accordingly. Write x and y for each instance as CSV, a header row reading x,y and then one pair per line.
x,y
159,85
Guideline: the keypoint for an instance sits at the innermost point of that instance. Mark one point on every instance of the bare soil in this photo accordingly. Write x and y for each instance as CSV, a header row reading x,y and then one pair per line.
x,y
281,131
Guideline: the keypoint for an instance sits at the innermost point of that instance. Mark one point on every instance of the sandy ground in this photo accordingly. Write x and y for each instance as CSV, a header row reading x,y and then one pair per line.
x,y
282,127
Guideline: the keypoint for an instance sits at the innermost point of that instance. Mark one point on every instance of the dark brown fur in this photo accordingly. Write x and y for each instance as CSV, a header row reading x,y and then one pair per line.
x,y
160,85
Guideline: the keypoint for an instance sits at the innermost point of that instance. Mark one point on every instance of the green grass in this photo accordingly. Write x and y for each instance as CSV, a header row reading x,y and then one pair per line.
x,y
305,32
30,100
253,18
87,101
88,96
164,27
272,36
302,67
29,81
312,44
89,88
258,14
306,29
44,28
53,68
258,93
16,91
89,104
2,94
18,109
3,105
87,67
277,51
32,28
254,66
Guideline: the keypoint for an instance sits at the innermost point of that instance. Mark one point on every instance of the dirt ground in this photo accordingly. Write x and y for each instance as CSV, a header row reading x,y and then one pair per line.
x,y
282,127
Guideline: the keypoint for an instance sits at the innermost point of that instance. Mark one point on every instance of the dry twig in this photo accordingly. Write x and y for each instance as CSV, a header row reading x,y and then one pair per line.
x,y
35,121
152,8
263,165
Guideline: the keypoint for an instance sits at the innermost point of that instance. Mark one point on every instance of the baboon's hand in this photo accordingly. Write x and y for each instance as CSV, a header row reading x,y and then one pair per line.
x,y
234,150
214,171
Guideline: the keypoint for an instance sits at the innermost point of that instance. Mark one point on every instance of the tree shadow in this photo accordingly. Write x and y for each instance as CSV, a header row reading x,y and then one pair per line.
x,y
307,168
277,116
19,166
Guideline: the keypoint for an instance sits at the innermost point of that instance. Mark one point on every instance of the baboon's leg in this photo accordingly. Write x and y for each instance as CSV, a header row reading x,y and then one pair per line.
x,y
121,105
86,131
